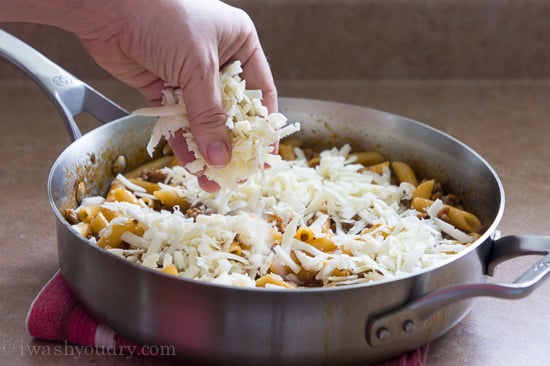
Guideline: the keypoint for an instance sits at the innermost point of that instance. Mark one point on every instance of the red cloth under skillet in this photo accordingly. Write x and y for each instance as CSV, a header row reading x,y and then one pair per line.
x,y
56,315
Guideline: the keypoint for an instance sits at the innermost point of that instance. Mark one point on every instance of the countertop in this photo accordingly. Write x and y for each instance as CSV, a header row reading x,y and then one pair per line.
x,y
504,121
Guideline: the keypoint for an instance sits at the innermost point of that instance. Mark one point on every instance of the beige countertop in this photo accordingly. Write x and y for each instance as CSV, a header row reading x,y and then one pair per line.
x,y
505,121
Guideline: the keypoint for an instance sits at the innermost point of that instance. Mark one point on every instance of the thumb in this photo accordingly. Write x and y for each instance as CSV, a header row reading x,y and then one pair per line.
x,y
205,110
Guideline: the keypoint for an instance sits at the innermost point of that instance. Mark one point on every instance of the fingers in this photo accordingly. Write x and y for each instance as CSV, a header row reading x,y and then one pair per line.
x,y
256,70
208,185
182,153
179,147
206,114
153,91
207,118
257,73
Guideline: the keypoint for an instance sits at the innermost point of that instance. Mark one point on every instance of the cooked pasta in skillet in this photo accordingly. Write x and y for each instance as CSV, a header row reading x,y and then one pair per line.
x,y
328,218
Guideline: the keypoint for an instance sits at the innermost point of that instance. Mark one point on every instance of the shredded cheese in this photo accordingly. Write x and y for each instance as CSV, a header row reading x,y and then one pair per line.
x,y
235,239
253,131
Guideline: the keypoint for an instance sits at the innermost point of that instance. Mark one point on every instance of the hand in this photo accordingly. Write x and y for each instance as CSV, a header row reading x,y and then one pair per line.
x,y
183,43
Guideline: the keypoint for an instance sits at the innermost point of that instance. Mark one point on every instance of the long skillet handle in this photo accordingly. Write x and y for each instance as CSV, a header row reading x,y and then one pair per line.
x,y
408,320
70,95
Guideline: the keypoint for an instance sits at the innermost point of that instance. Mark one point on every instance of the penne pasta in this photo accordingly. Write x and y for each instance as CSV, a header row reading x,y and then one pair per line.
x,y
171,199
123,195
368,158
150,187
111,237
323,244
170,269
404,173
286,152
83,228
314,161
273,280
108,213
304,234
235,248
463,220
87,213
379,168
424,189
98,223
152,165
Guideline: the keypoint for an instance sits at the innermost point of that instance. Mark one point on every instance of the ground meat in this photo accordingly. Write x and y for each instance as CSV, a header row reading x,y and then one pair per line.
x,y
237,240
279,224
439,193
154,176
196,210
310,153
71,216
332,225
347,225
451,200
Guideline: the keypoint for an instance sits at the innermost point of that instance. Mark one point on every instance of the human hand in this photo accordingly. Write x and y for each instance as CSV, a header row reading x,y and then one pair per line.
x,y
148,44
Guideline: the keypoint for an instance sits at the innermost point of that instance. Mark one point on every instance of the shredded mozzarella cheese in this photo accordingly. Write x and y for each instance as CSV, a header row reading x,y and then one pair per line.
x,y
235,240
253,131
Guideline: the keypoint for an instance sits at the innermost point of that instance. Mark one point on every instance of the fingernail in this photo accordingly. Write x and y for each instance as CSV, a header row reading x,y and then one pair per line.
x,y
218,154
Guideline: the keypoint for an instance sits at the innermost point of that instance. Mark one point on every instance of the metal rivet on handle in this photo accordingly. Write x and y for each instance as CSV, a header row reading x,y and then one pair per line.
x,y
119,164
383,333
80,192
409,326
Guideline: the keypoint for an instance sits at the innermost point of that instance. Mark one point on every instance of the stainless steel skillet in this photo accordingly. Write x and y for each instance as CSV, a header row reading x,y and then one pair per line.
x,y
352,325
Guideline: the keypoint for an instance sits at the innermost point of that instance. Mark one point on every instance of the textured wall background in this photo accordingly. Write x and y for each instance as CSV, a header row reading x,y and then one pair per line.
x,y
369,39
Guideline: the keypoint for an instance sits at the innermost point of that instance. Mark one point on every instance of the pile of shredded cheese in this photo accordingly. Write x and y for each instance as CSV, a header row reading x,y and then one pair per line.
x,y
252,232
253,131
